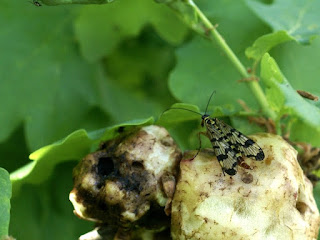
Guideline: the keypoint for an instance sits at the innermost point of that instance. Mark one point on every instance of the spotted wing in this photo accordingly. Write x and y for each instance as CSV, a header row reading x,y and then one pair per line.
x,y
240,142
226,153
226,156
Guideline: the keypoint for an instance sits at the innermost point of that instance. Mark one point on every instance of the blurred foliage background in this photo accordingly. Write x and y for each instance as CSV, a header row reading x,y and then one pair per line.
x,y
71,67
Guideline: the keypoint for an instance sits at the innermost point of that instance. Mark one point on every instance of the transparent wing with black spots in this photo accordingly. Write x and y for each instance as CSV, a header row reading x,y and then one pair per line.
x,y
245,145
226,157
230,145
225,152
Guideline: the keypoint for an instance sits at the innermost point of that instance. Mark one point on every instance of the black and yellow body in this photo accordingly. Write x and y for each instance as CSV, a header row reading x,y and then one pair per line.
x,y
229,144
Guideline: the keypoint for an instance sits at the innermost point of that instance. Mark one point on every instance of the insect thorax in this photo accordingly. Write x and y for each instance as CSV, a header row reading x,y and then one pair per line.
x,y
209,121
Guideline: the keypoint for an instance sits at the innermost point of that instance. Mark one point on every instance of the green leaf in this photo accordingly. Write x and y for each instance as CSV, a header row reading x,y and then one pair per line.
x,y
73,147
285,100
101,28
122,102
142,74
14,158
5,195
300,18
265,43
297,64
200,70
44,212
179,112
182,125
316,193
45,84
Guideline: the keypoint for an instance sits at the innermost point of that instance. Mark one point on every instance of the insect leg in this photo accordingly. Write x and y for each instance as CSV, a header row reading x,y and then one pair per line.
x,y
199,133
242,164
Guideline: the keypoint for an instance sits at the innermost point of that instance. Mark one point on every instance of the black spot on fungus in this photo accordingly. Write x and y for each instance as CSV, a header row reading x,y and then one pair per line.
x,y
137,165
247,178
166,142
105,167
121,129
301,207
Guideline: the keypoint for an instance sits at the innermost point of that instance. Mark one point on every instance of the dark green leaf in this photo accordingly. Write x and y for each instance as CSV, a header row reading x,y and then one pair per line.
x,y
5,195
145,76
44,211
316,193
123,103
14,151
120,20
45,84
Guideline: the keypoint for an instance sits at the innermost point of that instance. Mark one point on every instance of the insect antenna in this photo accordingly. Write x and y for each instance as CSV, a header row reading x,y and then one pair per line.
x,y
181,109
205,113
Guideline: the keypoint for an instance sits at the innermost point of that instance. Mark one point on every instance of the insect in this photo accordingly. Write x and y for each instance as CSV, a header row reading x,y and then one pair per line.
x,y
36,3
229,144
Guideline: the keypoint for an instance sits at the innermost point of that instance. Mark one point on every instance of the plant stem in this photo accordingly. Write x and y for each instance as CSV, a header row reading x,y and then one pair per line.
x,y
61,2
220,41
211,31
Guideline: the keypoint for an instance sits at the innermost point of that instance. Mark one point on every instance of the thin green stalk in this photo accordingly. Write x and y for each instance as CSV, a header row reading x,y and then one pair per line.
x,y
62,2
205,27
261,97
220,41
